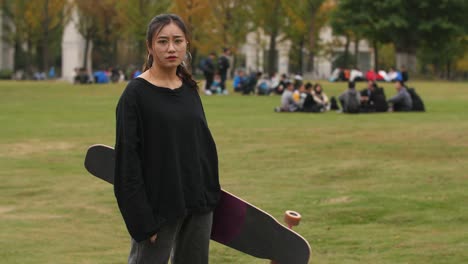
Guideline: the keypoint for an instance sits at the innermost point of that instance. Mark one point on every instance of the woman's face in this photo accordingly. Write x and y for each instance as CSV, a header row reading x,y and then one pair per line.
x,y
168,47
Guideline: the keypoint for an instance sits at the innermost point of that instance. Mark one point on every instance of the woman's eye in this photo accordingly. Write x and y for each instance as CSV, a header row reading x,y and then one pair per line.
x,y
162,41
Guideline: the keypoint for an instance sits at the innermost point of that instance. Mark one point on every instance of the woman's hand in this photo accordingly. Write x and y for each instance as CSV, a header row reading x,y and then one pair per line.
x,y
153,238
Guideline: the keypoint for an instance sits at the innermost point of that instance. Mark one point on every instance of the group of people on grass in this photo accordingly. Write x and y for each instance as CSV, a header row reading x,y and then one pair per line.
x,y
312,99
263,84
355,75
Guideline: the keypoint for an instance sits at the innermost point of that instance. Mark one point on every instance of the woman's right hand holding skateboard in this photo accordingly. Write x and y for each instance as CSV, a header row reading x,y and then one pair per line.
x,y
153,238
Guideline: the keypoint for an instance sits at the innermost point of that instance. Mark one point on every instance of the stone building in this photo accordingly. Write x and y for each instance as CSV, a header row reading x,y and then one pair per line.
x,y
256,47
6,50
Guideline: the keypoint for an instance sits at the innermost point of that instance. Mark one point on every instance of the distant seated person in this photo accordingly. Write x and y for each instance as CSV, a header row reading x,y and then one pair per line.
x,y
215,87
239,81
394,75
384,75
81,76
404,74
288,104
278,89
251,83
350,99
371,75
101,77
320,98
297,81
337,75
307,103
356,75
263,86
380,78
402,101
274,81
373,99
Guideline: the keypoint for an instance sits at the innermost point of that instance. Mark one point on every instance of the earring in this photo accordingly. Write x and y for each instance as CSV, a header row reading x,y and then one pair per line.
x,y
148,60
188,56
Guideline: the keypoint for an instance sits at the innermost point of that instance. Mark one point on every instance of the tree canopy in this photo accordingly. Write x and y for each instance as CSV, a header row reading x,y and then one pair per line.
x,y
433,31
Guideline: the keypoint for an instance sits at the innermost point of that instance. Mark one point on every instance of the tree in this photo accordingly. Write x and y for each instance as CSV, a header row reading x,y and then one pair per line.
x,y
135,16
409,25
269,15
99,22
306,18
233,19
37,26
344,23
87,25
198,16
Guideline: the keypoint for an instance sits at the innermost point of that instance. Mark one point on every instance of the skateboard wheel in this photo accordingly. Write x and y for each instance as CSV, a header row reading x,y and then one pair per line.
x,y
292,218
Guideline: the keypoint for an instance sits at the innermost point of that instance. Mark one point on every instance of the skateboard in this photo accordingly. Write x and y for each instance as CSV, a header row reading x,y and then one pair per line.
x,y
236,223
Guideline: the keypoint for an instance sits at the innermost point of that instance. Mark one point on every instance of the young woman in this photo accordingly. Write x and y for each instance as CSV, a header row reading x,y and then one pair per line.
x,y
166,174
320,97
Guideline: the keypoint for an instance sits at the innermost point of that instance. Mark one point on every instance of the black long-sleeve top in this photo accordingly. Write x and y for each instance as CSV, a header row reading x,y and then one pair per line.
x,y
166,159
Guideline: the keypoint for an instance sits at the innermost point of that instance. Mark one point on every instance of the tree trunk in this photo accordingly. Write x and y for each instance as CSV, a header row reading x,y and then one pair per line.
x,y
356,52
272,54
227,20
85,57
376,56
301,56
273,35
45,38
312,33
448,70
29,56
407,59
346,52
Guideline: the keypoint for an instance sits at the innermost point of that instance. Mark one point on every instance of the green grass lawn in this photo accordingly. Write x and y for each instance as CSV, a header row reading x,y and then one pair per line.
x,y
380,188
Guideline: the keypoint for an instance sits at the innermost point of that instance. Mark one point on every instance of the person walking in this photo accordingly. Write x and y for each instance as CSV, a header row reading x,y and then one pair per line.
x,y
208,68
223,67
166,171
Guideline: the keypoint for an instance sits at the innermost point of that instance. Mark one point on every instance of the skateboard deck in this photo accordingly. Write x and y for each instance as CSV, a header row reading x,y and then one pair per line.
x,y
236,223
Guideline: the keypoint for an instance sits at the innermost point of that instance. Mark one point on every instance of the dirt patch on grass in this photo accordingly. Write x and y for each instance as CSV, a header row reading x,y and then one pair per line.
x,y
31,216
32,147
337,200
6,209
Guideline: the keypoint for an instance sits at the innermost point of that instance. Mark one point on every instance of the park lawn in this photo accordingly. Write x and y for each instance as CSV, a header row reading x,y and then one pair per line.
x,y
377,188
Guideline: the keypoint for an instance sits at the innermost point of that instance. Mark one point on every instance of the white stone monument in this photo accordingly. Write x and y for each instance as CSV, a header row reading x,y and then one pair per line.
x,y
73,48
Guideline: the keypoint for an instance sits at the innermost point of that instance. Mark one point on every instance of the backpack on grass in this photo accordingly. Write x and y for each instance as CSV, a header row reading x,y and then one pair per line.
x,y
418,104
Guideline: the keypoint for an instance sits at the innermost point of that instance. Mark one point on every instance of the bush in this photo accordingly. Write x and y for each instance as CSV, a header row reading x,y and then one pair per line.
x,y
6,74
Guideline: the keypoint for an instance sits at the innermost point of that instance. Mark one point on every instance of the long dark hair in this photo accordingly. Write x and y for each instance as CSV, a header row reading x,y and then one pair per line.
x,y
154,27
316,86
